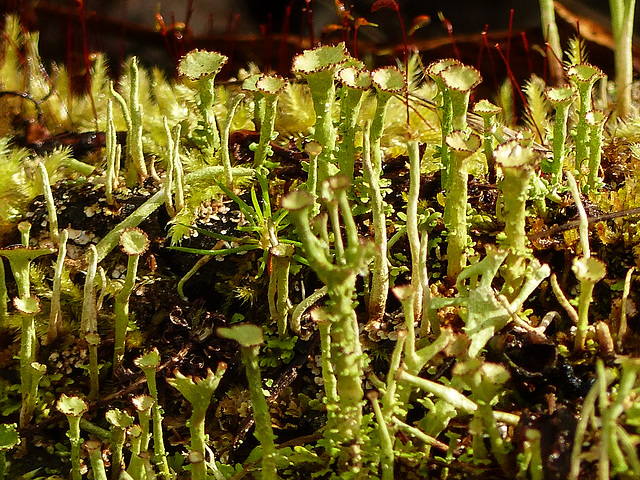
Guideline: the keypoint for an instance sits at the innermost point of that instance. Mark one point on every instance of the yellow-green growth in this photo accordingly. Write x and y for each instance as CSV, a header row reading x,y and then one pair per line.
x,y
518,165
134,243
198,392
149,364
202,67
73,408
561,98
583,76
250,338
461,146
270,87
318,67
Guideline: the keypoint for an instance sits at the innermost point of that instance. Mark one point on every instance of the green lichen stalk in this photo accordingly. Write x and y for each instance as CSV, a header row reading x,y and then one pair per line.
x,y
143,405
270,87
583,76
134,243
89,320
37,372
29,375
379,288
149,364
419,278
135,155
355,82
461,146
120,421
339,274
388,81
112,152
596,121
73,408
318,67
51,206
55,317
488,111
551,35
226,131
445,107
588,271
94,448
278,291
622,13
561,98
198,392
202,67
518,165
250,338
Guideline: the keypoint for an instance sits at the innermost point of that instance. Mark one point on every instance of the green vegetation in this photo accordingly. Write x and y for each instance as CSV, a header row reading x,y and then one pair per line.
x,y
462,375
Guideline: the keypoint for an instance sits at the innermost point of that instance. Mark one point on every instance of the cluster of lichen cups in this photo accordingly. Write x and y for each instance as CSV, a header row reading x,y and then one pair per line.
x,y
328,240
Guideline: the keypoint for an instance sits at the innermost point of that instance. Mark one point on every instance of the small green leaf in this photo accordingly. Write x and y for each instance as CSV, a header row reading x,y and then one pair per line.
x,y
297,200
9,436
134,241
119,418
590,270
151,359
72,406
461,77
271,84
318,59
27,305
246,334
201,63
388,79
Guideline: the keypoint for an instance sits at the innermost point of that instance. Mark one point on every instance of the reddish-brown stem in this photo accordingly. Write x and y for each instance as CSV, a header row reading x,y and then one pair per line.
x,y
449,28
509,36
493,65
514,83
233,35
525,43
559,60
283,57
310,4
265,29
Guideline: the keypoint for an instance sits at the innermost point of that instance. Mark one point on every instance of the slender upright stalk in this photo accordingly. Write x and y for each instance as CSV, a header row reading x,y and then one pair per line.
x,y
488,111
134,243
596,121
73,408
461,147
583,76
550,33
202,67
518,164
380,272
224,147
270,87
198,392
355,82
622,13
135,155
55,317
318,67
51,206
561,98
